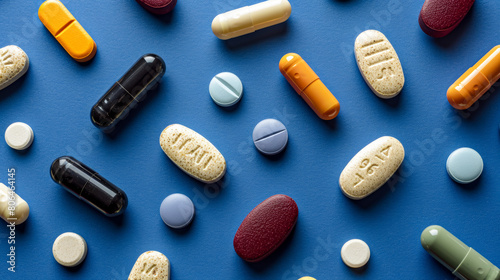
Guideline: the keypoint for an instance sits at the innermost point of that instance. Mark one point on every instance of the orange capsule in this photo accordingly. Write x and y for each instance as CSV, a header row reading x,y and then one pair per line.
x,y
308,85
476,81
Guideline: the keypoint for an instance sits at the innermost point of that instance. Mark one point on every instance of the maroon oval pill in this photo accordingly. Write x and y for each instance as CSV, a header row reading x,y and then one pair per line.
x,y
439,17
159,7
265,228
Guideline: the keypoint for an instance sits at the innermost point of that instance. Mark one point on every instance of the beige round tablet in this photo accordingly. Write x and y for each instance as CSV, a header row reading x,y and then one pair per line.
x,y
69,249
355,253
19,136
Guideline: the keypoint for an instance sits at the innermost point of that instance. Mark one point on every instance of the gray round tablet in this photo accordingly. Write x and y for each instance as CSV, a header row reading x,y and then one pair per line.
x,y
270,136
464,165
177,211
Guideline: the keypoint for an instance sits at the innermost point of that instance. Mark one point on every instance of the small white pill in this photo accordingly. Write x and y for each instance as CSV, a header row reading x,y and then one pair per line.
x,y
69,249
355,253
19,136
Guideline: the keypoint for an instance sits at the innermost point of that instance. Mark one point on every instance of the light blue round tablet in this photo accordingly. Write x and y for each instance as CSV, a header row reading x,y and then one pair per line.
x,y
464,165
270,136
177,211
226,89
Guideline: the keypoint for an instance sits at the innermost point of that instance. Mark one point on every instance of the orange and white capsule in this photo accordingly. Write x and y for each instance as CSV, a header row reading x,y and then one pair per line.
x,y
308,85
476,81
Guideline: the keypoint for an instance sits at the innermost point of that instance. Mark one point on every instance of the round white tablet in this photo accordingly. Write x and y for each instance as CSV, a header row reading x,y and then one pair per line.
x,y
69,249
19,136
355,253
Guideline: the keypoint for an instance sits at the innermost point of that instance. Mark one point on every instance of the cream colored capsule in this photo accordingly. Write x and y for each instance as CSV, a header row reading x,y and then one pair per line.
x,y
371,167
379,64
192,153
151,265
14,63
250,18
17,213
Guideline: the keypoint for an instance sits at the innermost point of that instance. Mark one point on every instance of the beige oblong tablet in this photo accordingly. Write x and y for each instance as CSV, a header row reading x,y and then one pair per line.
x,y
14,63
151,265
371,167
13,209
12,212
379,64
192,153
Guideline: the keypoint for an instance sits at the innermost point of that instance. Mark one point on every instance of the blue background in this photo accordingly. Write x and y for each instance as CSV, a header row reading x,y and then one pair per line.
x,y
57,93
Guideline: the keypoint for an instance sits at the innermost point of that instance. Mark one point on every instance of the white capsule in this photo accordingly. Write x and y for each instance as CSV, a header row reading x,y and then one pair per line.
x,y
250,18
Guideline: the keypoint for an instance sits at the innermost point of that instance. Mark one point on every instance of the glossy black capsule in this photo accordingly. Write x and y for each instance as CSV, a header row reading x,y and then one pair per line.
x,y
89,186
127,92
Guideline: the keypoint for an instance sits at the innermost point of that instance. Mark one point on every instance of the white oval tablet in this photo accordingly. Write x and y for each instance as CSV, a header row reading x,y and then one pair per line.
x,y
151,265
379,64
69,249
19,136
371,167
192,153
355,253
14,63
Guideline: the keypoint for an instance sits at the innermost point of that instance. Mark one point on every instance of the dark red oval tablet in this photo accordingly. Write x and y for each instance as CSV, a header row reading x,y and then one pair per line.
x,y
265,228
439,17
159,7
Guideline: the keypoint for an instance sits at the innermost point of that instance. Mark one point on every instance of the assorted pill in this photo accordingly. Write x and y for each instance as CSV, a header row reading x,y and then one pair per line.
x,y
151,265
355,253
124,95
265,228
14,63
476,81
269,224
308,85
69,249
249,19
379,64
19,136
270,136
177,211
89,186
159,7
464,165
226,89
67,30
17,213
462,260
192,153
440,17
371,167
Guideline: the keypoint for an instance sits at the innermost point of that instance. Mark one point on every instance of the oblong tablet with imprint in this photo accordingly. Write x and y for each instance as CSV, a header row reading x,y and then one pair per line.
x,y
151,265
14,63
371,167
192,153
379,64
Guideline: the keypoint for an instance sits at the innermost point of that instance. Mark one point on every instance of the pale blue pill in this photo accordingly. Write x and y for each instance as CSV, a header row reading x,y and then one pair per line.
x,y
270,136
177,211
464,165
226,89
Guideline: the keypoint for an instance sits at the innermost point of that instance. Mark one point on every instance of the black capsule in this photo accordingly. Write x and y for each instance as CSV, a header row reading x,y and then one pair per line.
x,y
127,92
89,186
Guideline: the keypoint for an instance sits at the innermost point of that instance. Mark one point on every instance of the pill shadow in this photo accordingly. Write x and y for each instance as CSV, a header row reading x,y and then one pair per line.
x,y
229,109
13,88
181,231
78,206
392,102
277,157
471,187
267,263
141,105
456,35
256,37
361,270
164,19
76,269
432,265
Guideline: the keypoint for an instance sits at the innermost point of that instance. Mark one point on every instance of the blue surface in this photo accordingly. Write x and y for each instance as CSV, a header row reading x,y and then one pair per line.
x,y
56,95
